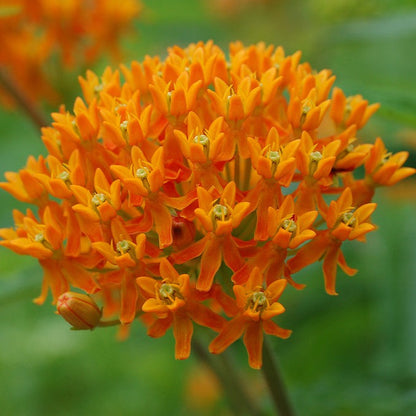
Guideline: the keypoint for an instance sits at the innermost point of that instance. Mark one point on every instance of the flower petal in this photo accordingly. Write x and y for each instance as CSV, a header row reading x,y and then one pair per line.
x,y
253,340
182,331
232,332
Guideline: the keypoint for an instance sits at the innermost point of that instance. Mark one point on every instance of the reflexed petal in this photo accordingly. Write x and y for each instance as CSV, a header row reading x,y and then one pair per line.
x,y
230,333
271,328
253,340
182,331
329,267
129,296
206,317
210,263
231,255
159,327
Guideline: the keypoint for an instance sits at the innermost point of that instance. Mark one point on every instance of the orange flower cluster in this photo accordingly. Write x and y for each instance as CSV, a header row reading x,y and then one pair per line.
x,y
194,190
74,32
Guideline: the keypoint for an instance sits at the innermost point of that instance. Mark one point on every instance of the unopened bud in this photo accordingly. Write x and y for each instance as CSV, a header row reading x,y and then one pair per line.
x,y
79,310
183,232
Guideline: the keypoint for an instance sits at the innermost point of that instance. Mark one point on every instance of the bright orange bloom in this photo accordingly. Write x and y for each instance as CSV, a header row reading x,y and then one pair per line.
x,y
286,230
344,222
238,172
144,179
352,110
172,301
218,217
256,308
384,168
276,164
57,243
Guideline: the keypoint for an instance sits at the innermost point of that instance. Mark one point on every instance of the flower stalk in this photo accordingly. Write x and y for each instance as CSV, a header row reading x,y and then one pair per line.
x,y
275,383
34,113
236,392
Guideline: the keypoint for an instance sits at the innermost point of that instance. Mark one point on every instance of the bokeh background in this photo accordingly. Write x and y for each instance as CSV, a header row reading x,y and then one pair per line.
x,y
350,355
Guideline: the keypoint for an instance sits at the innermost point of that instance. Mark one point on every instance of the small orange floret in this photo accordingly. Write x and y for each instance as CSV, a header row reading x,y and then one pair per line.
x,y
256,308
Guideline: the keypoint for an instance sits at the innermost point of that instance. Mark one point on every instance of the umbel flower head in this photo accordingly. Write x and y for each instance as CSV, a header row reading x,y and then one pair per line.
x,y
192,191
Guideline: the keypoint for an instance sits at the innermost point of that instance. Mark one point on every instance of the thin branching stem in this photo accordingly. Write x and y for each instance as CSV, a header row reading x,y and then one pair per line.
x,y
275,383
237,394
21,98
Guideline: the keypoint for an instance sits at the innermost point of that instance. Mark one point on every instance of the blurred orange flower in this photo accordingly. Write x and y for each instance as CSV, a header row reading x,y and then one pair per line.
x,y
35,34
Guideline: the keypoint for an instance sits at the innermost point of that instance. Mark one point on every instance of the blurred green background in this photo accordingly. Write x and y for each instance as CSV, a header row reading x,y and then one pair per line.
x,y
350,355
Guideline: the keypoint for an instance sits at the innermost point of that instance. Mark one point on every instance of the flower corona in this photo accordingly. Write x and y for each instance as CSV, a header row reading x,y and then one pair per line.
x,y
193,191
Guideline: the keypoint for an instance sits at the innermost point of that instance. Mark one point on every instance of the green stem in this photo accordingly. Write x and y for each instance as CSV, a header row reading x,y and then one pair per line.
x,y
21,98
236,392
275,382
109,323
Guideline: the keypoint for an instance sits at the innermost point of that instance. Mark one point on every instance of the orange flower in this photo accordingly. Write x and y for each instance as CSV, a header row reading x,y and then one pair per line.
x,y
144,180
70,33
276,164
218,220
256,308
25,185
383,168
171,301
345,222
57,243
352,110
286,231
207,150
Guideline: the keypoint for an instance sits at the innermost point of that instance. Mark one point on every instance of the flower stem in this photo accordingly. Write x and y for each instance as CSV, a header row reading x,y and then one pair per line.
x,y
236,392
275,382
21,98
109,323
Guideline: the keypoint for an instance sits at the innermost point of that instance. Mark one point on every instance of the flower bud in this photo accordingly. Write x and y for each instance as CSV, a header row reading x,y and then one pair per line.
x,y
183,232
79,310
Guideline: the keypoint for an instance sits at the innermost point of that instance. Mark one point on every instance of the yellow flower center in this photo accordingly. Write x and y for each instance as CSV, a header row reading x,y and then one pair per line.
x,y
258,301
289,225
314,158
168,292
220,212
348,218
142,173
202,139
64,175
274,156
39,238
98,199
123,128
98,88
123,246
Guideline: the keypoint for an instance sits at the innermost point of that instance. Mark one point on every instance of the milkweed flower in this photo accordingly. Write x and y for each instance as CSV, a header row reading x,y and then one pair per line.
x,y
256,308
193,192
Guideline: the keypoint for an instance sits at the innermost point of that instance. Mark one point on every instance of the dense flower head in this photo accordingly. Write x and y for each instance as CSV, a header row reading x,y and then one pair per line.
x,y
192,191
72,32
